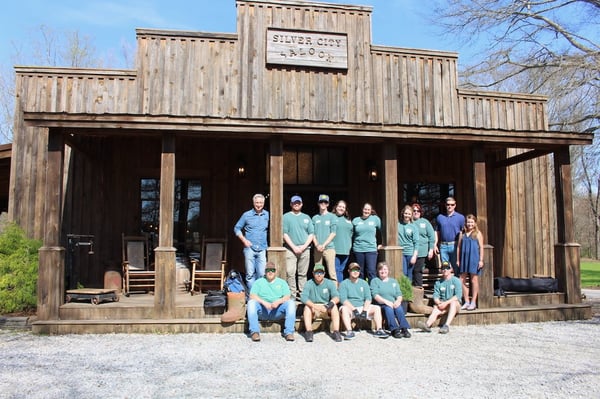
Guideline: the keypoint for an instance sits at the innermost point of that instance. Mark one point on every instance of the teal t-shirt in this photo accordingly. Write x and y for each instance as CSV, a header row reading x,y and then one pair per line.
x,y
343,235
408,238
357,293
321,293
297,226
389,289
270,291
365,233
324,225
426,236
446,289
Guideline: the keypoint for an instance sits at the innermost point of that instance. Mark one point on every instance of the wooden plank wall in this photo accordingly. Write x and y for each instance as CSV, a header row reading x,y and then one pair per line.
x,y
523,197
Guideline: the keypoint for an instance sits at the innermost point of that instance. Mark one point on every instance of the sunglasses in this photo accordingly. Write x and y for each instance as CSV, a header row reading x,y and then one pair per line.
x,y
446,268
270,270
450,204
416,210
319,272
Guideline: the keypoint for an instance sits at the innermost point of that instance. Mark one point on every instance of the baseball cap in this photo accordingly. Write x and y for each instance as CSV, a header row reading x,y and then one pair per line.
x,y
296,198
446,266
319,268
323,198
353,266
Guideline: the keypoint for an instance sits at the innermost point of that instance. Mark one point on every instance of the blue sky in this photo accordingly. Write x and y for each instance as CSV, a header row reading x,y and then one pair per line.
x,y
111,24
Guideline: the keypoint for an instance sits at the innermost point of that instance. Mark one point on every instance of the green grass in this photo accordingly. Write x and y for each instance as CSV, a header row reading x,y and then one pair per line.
x,y
590,273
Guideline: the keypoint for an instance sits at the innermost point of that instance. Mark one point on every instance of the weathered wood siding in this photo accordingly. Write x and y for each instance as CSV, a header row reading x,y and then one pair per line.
x,y
523,218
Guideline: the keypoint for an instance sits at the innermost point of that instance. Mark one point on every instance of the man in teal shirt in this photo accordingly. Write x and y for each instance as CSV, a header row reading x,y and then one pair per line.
x,y
270,300
320,298
325,224
297,236
447,294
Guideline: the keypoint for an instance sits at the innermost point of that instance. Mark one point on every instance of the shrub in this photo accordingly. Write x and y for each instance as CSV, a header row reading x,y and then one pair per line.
x,y
406,288
18,270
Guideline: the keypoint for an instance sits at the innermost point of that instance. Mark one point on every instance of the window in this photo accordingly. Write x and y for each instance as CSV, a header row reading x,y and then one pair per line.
x,y
323,166
186,215
430,195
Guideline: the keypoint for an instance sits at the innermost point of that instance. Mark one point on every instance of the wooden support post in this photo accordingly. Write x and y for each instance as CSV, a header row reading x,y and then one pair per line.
x,y
276,251
392,253
566,251
51,272
486,280
166,284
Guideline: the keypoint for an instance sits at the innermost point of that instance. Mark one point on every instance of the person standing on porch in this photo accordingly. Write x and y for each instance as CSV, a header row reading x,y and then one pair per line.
x,y
427,243
298,234
447,228
343,238
469,259
251,229
325,224
408,240
364,243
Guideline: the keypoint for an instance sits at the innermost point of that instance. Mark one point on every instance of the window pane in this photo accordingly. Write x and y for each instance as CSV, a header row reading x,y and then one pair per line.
x,y
305,166
290,162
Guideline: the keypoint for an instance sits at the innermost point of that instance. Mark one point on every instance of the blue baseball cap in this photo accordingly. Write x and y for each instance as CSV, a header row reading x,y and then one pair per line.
x,y
296,198
323,198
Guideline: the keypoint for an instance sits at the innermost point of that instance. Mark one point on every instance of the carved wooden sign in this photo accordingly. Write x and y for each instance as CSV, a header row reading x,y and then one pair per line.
x,y
307,48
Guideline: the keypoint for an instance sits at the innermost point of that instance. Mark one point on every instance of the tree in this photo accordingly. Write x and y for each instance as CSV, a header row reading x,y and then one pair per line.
x,y
549,47
48,48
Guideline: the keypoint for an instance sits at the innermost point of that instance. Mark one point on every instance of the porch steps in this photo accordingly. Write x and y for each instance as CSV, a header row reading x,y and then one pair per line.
x,y
212,324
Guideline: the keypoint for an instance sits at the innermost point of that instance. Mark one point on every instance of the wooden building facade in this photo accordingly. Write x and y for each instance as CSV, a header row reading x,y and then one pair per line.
x,y
298,100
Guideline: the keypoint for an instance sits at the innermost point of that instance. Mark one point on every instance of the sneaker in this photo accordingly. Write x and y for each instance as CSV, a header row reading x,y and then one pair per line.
x,y
465,306
423,326
405,334
255,337
397,334
381,334
472,306
337,337
308,336
444,329
349,335
289,337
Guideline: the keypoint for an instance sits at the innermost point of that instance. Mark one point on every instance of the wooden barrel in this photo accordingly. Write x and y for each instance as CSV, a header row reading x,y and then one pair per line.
x,y
112,280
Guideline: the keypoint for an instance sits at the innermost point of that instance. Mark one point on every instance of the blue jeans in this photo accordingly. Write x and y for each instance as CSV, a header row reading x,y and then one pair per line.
x,y
255,265
340,266
407,268
368,264
286,311
394,316
448,254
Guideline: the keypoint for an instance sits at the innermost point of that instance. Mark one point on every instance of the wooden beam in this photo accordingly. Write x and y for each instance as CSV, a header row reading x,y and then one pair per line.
x,y
165,284
526,156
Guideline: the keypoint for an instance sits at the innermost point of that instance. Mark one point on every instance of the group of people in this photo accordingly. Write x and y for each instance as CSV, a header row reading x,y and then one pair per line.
x,y
334,237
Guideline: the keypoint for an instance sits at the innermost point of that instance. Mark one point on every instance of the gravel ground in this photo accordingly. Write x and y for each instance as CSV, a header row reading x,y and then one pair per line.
x,y
532,360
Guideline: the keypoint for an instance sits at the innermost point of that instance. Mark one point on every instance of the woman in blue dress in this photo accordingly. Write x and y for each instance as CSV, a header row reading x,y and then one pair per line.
x,y
469,259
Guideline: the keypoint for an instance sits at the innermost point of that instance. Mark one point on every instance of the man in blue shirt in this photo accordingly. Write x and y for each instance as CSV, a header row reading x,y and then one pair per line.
x,y
447,228
251,229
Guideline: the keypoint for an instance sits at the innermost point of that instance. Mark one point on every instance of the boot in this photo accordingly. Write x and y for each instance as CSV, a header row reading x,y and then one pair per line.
x,y
236,307
418,303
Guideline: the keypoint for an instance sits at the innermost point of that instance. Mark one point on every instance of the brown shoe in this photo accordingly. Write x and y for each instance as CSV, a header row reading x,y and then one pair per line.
x,y
255,337
289,337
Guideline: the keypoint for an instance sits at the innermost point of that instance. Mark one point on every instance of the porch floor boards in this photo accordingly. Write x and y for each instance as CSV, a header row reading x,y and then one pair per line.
x,y
135,314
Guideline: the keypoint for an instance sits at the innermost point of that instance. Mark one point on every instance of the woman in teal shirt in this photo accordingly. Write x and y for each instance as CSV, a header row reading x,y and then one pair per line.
x,y
364,244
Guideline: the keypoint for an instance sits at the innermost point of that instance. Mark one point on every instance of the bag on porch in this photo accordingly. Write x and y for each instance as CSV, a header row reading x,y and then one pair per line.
x,y
215,299
234,282
532,285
